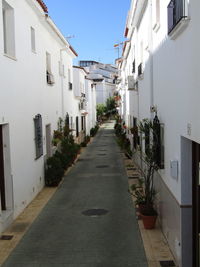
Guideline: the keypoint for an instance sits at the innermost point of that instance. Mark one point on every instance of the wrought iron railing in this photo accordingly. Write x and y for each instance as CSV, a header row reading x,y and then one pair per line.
x,y
133,70
176,12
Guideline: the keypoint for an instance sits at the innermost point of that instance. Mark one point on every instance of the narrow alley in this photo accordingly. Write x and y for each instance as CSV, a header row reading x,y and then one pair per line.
x,y
90,220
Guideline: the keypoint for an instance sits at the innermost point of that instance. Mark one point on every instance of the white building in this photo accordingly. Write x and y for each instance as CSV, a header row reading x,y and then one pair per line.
x,y
159,72
104,75
85,95
36,77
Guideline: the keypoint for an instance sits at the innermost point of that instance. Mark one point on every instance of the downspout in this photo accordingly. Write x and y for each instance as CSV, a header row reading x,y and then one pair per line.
x,y
62,82
151,60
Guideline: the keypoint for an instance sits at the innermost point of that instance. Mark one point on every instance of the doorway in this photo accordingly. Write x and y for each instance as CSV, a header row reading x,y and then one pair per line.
x,y
196,203
2,176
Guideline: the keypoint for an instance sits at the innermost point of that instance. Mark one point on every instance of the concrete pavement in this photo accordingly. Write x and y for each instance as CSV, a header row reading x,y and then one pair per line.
x,y
63,236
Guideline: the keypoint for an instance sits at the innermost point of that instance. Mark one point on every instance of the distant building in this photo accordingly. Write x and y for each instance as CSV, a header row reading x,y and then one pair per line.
x,y
104,76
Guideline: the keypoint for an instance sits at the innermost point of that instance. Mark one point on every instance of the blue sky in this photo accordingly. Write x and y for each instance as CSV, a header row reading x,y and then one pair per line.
x,y
96,25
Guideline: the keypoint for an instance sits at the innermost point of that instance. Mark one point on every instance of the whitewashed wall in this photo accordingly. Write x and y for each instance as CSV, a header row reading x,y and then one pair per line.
x,y
171,83
25,93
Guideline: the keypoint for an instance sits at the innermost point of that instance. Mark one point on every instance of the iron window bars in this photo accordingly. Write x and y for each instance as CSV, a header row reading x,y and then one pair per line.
x,y
176,12
140,71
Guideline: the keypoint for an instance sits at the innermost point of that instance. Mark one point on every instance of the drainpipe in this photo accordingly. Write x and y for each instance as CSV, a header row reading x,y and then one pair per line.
x,y
62,82
151,59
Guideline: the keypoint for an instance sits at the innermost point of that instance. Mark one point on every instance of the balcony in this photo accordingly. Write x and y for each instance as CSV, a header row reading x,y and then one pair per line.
x,y
177,17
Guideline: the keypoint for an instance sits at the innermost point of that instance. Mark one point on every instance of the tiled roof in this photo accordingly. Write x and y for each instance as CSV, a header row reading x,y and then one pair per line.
x,y
72,49
43,6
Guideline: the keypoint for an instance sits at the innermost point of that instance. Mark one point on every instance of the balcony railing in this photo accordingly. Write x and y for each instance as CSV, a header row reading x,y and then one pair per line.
x,y
133,70
176,12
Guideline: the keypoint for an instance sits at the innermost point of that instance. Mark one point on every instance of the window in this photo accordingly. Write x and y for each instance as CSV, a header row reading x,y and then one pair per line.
x,y
177,13
69,79
49,75
140,71
140,66
133,67
38,136
156,15
8,29
33,39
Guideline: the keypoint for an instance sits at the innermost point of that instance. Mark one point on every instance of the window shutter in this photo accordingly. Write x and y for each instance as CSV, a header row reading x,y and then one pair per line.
x,y
38,135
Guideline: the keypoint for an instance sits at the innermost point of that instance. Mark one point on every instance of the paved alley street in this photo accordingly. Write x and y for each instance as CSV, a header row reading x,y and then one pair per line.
x,y
90,221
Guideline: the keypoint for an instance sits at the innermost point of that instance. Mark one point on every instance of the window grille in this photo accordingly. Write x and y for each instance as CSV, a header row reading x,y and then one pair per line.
x,y
38,136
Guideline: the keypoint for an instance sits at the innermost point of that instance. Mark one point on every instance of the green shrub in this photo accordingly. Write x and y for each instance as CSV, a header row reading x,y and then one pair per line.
x,y
54,171
94,130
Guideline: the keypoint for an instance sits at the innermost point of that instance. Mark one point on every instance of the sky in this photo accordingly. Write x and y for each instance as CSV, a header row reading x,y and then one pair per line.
x,y
94,25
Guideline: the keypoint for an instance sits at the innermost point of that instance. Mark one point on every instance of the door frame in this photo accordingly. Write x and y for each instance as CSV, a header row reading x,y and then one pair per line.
x,y
195,203
2,174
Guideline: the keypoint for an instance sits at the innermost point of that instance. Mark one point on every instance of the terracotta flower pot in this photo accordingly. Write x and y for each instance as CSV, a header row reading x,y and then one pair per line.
x,y
149,221
141,208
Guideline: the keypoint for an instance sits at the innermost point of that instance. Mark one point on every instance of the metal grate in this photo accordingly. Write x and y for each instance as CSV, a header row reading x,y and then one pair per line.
x,y
84,159
167,263
101,154
95,212
6,237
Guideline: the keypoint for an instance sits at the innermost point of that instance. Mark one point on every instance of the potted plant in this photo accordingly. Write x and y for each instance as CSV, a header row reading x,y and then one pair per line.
x,y
144,192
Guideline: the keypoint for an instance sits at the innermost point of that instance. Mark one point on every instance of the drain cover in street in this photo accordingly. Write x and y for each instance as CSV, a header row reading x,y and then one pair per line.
x,y
102,166
101,154
133,177
167,263
95,212
84,159
6,237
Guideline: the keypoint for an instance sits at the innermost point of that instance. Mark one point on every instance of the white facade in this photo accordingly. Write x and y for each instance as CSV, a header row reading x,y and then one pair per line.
x,y
104,76
168,83
30,46
85,97
90,98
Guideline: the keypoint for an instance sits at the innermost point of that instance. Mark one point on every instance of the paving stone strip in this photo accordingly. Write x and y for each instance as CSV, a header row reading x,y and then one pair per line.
x,y
63,236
